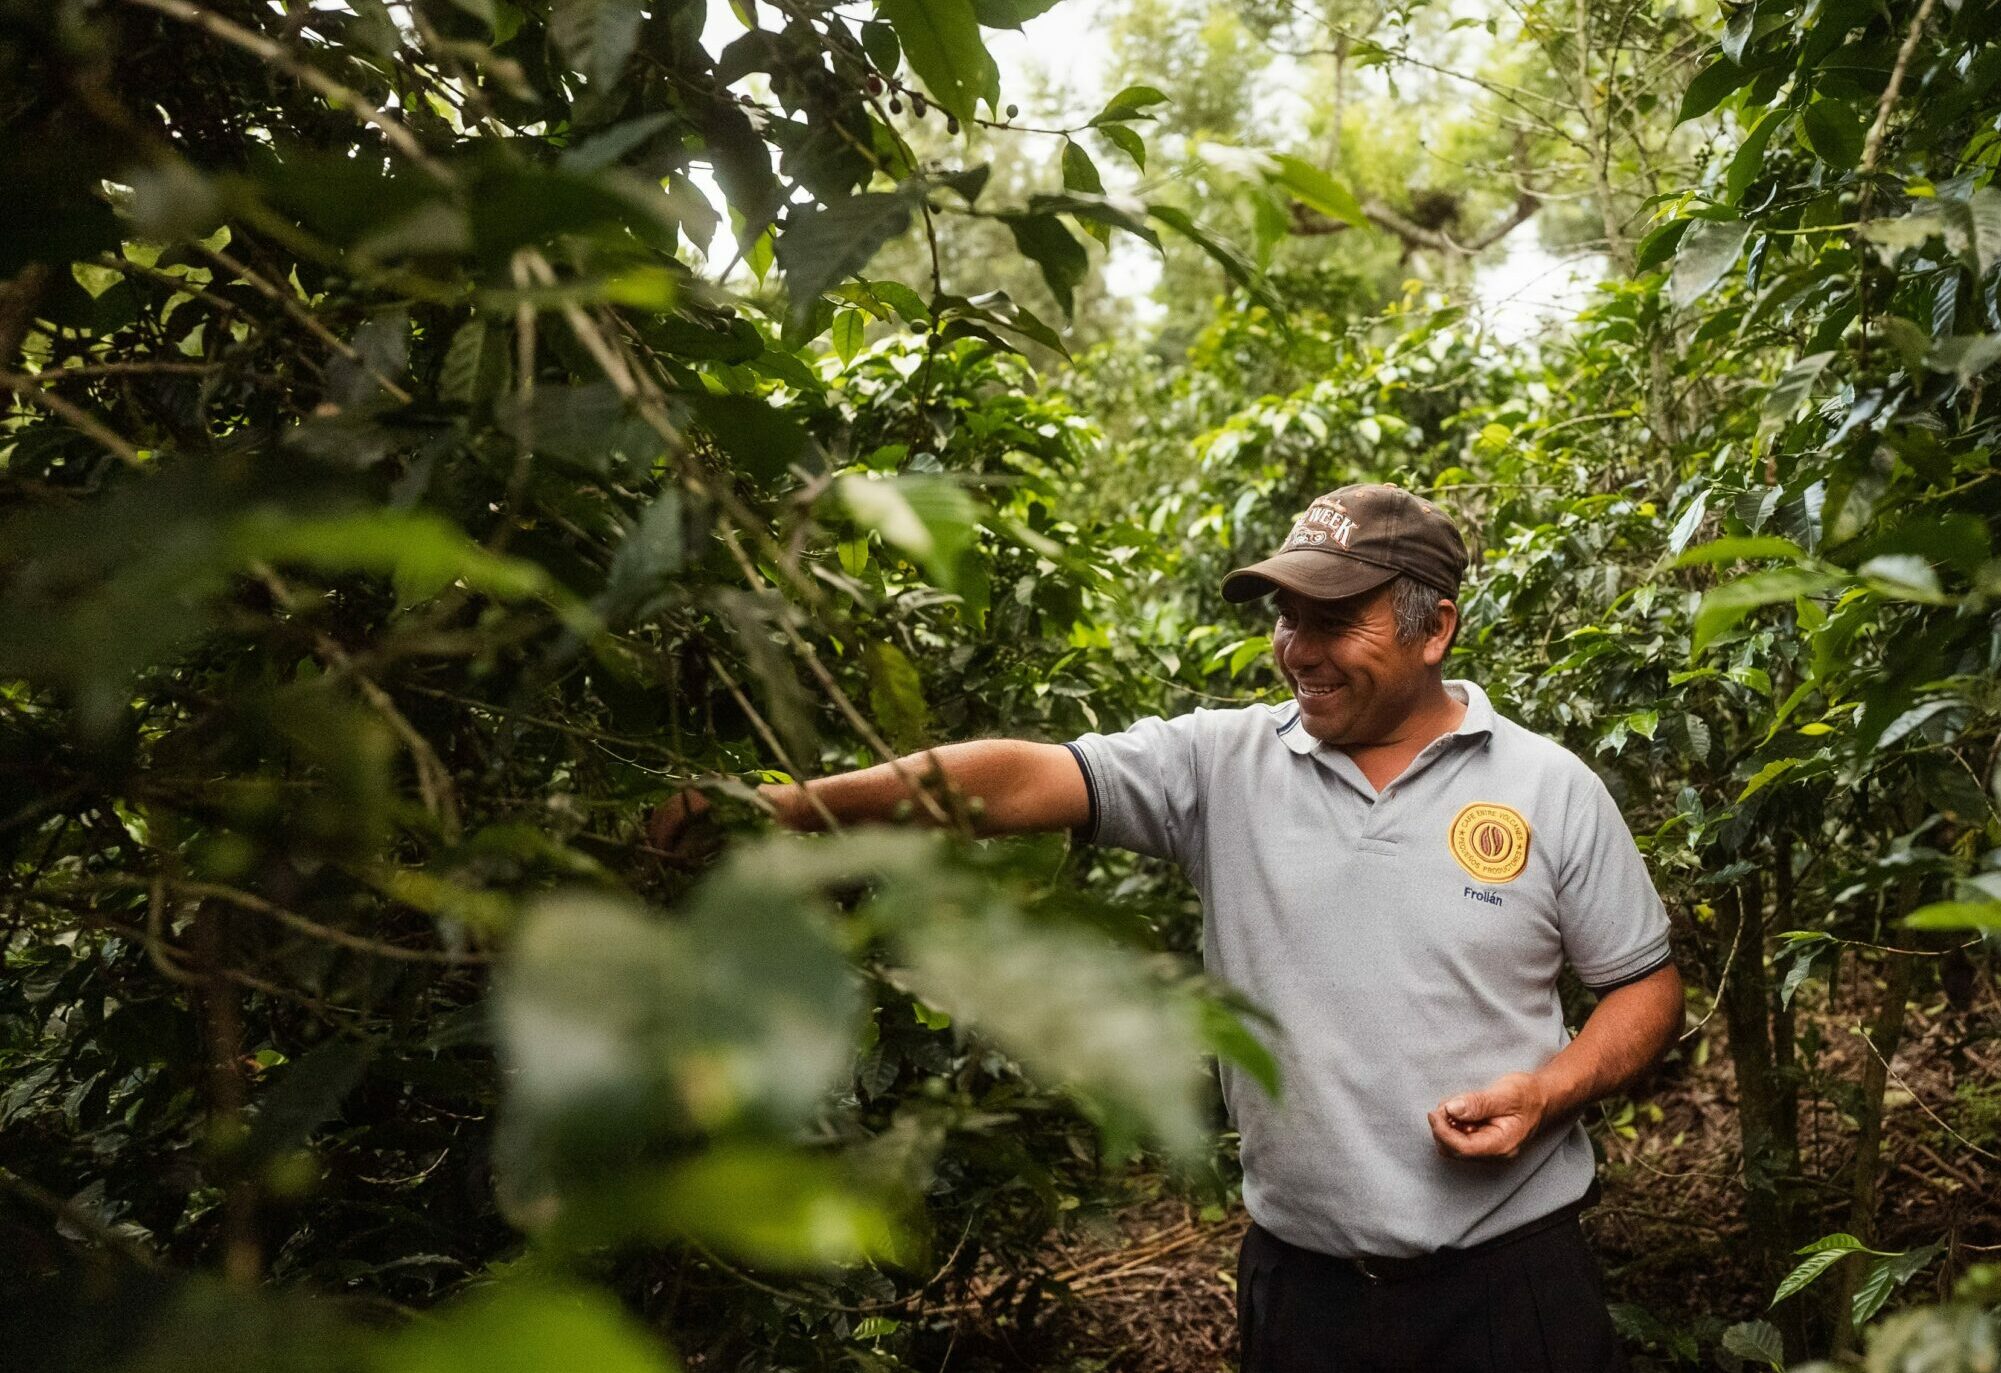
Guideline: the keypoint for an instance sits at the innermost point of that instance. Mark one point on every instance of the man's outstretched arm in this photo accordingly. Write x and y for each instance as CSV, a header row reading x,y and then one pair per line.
x,y
1626,1033
1021,788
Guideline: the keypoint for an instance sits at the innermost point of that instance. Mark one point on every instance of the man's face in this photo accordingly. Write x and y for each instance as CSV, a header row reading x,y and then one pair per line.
x,y
1355,683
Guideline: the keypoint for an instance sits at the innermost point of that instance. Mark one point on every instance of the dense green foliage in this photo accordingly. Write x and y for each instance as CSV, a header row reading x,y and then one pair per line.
x,y
412,478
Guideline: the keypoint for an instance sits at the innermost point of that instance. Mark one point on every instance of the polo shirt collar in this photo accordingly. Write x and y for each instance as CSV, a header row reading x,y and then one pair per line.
x,y
1479,719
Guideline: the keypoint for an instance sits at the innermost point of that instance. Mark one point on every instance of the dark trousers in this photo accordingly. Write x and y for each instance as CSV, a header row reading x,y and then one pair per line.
x,y
1533,1304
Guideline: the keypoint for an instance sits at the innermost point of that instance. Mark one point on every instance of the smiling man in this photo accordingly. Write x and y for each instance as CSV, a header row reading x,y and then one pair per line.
x,y
1398,874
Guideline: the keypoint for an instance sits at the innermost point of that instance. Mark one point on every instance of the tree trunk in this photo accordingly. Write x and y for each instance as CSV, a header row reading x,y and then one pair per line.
x,y
1770,1169
1885,1032
1340,101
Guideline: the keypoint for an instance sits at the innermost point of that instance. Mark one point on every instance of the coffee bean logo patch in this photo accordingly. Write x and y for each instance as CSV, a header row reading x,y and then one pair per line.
x,y
1491,841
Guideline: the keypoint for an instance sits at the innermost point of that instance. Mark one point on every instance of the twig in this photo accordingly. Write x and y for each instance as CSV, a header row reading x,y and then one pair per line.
x,y
290,919
772,742
576,731
839,697
1722,980
24,386
1860,1034
51,375
1872,146
434,779
156,935
300,315
69,1213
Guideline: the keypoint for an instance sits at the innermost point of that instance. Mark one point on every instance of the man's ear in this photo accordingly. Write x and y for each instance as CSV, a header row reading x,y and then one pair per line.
x,y
1440,643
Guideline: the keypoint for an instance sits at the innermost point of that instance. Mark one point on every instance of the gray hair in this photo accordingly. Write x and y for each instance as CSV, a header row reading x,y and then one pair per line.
x,y
1415,606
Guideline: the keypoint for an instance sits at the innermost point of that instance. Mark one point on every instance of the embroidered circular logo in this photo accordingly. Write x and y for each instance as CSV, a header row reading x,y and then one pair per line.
x,y
1491,841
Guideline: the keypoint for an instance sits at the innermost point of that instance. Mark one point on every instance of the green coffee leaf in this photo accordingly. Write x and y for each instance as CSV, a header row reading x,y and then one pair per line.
x,y
1130,103
1010,14
596,36
1079,172
1749,158
1225,1035
1060,257
1711,86
1834,130
1076,1012
519,1327
879,42
930,519
1758,1340
420,552
1317,190
619,1026
1127,142
1965,356
309,1091
1707,253
647,560
849,328
1903,577
941,40
1972,227
760,438
896,697
1725,606
1790,391
1235,265
764,1204
1816,1263
478,365
1659,244
819,247
1956,915
1885,1276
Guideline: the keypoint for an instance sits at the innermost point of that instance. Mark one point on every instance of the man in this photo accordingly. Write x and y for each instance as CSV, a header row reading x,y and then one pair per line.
x,y
1397,874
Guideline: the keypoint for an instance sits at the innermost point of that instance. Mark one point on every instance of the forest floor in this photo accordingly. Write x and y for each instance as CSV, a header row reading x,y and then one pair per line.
x,y
1151,1288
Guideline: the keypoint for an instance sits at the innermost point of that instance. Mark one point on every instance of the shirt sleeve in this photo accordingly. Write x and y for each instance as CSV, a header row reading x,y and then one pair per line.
x,y
1614,926
1142,785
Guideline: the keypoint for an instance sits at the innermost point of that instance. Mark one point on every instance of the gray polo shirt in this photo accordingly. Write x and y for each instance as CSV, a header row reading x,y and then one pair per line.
x,y
1408,944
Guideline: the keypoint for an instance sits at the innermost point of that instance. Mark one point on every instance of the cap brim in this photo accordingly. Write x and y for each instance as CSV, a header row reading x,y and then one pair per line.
x,y
1310,572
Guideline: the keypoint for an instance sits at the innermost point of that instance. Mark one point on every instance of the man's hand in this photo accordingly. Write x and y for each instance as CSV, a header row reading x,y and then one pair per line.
x,y
1625,1034
1494,1122
672,830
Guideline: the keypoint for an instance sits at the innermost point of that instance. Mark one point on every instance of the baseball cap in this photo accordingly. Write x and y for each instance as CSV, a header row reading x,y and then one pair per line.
x,y
1354,540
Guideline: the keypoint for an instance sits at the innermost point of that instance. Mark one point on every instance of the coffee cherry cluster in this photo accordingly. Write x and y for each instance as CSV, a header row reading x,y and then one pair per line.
x,y
875,85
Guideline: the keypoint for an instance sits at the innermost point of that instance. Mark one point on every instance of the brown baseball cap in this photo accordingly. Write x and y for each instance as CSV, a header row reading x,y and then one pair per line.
x,y
1355,539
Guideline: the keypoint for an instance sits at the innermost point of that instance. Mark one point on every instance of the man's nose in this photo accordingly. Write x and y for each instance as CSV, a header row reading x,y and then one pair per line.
x,y
1301,649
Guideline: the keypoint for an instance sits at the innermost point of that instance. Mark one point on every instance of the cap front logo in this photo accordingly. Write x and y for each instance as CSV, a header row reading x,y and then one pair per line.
x,y
1322,524
1490,841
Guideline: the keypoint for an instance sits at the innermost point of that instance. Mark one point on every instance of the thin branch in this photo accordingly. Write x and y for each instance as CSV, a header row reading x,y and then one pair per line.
x,y
1863,1035
1872,146
300,315
1307,223
25,386
1722,980
77,1218
51,375
839,697
772,742
292,920
434,779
